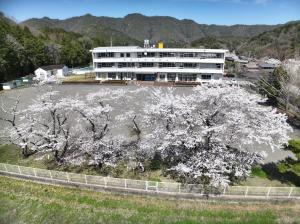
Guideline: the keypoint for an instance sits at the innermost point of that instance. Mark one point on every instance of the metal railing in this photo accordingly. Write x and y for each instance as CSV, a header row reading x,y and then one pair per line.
x,y
177,189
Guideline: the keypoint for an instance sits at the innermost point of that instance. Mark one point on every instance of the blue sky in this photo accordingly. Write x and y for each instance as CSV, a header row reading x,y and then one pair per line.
x,y
225,12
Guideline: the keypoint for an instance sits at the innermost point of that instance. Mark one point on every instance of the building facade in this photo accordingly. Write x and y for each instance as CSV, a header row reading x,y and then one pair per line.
x,y
158,64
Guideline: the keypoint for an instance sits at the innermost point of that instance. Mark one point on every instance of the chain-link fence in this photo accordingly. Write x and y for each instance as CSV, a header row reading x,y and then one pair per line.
x,y
141,186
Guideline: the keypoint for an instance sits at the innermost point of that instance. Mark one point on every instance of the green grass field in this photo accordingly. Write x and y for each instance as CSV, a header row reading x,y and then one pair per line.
x,y
27,202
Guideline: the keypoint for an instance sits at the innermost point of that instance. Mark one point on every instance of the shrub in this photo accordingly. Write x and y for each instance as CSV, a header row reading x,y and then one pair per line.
x,y
282,167
257,171
294,146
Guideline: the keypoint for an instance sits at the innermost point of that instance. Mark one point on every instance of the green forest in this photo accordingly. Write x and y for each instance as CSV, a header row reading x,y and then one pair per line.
x,y
21,52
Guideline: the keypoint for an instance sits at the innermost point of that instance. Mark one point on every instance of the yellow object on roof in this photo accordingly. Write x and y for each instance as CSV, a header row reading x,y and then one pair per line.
x,y
160,45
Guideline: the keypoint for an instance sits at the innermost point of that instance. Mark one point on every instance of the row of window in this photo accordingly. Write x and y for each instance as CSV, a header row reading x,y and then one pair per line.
x,y
121,76
183,77
160,65
161,77
159,54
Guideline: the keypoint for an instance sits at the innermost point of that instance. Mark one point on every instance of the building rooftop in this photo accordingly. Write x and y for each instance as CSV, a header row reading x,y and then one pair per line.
x,y
140,49
266,65
117,47
51,67
273,61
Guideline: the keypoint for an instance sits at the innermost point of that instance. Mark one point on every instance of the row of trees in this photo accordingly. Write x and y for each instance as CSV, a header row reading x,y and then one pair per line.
x,y
209,136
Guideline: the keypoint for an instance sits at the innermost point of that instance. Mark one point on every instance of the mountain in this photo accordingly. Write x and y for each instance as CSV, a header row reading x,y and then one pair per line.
x,y
282,42
139,27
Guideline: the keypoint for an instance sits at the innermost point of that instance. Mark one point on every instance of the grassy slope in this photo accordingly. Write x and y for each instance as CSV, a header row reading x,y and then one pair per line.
x,y
26,202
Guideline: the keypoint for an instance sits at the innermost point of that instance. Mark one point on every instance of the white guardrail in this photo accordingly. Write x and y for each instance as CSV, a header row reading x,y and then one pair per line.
x,y
150,186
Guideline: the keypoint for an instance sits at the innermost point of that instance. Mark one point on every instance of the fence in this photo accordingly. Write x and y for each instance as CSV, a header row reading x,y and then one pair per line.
x,y
141,186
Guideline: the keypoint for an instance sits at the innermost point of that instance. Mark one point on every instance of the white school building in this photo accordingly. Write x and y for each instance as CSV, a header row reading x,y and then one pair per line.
x,y
158,64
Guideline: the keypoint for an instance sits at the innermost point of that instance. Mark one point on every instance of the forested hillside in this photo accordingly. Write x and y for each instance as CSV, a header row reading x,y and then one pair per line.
x,y
21,52
282,42
212,42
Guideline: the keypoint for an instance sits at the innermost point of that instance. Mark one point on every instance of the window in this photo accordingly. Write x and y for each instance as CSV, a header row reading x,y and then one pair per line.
x,y
112,76
210,55
187,77
209,66
105,65
125,65
146,54
162,76
106,55
122,55
205,76
186,55
166,54
128,55
171,77
166,65
219,55
146,64
189,65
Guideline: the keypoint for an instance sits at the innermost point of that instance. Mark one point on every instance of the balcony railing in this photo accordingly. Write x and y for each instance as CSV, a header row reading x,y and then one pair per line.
x,y
177,67
157,56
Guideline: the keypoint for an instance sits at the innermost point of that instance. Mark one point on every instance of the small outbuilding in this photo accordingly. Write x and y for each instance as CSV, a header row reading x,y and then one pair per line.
x,y
56,71
266,66
12,84
273,61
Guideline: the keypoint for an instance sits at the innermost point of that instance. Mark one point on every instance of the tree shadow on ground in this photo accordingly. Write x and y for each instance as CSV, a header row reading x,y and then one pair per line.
x,y
274,174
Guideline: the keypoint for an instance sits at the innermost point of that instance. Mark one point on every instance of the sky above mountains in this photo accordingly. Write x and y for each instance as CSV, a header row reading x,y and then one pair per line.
x,y
223,12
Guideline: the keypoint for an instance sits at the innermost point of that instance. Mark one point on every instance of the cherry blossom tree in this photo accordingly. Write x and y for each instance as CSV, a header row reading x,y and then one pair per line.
x,y
73,129
95,143
17,133
50,120
209,136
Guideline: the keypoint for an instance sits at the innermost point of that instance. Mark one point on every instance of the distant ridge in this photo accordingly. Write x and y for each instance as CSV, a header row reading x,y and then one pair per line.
x,y
139,27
